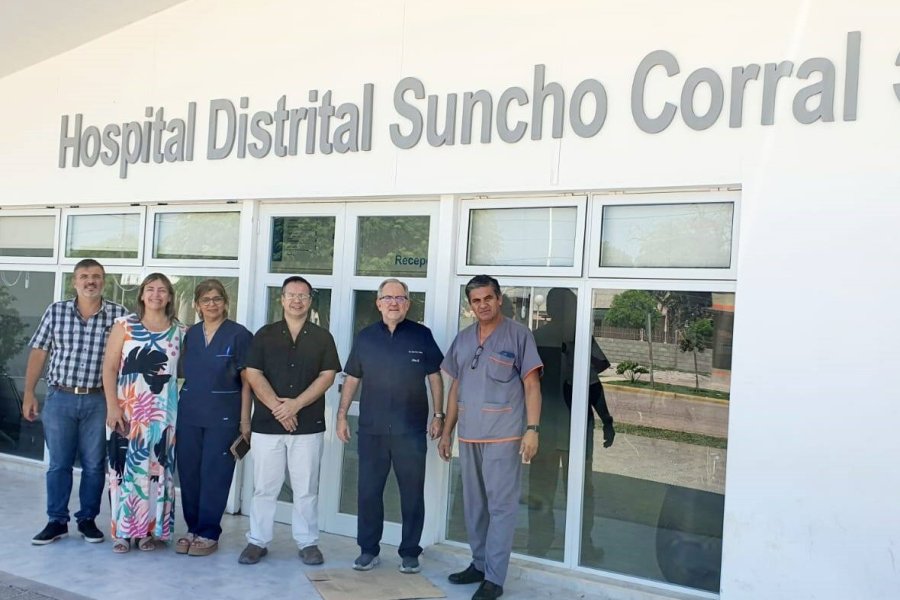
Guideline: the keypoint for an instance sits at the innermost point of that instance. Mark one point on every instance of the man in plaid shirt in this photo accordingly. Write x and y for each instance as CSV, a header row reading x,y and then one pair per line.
x,y
73,333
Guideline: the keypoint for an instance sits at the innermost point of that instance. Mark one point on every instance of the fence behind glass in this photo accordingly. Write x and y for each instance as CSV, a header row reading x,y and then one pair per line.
x,y
24,295
657,401
653,502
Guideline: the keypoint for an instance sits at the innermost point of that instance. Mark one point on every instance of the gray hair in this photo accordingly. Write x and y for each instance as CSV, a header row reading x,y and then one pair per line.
x,y
393,280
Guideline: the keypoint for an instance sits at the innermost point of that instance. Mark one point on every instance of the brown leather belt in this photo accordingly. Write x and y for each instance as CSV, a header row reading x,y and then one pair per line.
x,y
79,390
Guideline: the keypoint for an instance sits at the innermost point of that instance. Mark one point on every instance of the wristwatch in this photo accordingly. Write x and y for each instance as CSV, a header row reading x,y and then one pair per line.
x,y
534,428
440,415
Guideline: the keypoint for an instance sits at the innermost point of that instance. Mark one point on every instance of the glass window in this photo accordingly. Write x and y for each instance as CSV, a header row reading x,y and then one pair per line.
x,y
302,245
27,235
393,246
550,314
103,236
198,235
120,288
350,478
667,235
365,312
24,295
537,237
653,501
319,312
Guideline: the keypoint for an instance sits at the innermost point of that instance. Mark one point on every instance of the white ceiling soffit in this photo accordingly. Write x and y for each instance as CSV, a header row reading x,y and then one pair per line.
x,y
34,30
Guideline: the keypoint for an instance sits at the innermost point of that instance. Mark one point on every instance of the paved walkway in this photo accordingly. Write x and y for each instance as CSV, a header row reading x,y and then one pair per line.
x,y
71,569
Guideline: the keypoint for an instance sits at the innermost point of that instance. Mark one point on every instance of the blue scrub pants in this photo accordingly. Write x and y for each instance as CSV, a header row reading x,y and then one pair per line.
x,y
377,454
491,484
74,423
205,470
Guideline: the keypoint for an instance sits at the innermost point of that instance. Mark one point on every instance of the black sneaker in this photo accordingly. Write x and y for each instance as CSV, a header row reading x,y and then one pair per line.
x,y
366,562
52,532
470,575
90,533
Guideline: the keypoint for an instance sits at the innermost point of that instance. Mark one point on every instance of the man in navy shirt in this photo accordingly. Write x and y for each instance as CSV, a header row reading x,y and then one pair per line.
x,y
392,358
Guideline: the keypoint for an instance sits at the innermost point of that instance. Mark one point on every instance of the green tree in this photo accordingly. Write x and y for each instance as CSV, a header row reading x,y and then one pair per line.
x,y
630,309
11,329
696,337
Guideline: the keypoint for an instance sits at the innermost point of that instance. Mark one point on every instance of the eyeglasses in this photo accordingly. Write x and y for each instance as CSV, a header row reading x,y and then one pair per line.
x,y
478,352
213,300
397,299
290,296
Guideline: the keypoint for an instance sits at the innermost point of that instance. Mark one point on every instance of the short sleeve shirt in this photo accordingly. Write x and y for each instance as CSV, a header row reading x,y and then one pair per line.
x,y
492,395
290,367
393,368
211,394
76,345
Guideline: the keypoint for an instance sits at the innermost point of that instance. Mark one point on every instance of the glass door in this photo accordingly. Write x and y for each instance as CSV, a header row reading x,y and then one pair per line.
x,y
345,250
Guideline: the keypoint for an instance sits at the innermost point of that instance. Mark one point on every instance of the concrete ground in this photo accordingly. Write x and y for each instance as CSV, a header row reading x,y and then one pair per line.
x,y
71,569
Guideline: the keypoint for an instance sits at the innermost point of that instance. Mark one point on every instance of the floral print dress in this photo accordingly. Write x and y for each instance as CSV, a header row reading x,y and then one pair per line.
x,y
142,462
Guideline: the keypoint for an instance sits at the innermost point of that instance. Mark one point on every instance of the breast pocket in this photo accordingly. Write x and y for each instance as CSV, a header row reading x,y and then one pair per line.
x,y
501,366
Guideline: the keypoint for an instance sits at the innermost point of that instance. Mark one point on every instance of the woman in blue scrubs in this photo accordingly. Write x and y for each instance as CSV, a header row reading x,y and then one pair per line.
x,y
213,409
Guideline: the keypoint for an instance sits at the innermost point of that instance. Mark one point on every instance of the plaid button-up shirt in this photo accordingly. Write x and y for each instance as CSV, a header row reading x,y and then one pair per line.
x,y
76,345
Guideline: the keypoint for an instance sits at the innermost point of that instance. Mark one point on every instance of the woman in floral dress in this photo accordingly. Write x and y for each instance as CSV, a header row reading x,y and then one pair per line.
x,y
140,381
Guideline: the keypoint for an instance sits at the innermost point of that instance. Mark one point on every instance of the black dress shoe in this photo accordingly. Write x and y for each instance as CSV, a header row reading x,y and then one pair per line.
x,y
488,590
470,575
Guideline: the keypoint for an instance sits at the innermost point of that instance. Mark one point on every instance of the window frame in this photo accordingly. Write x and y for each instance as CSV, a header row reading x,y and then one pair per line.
x,y
150,235
469,205
710,196
55,244
99,211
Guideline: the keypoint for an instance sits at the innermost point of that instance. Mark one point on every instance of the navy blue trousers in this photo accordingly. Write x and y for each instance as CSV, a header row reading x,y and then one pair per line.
x,y
377,454
205,469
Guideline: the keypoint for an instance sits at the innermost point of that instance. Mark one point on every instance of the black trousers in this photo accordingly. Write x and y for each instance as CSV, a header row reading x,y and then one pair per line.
x,y
377,454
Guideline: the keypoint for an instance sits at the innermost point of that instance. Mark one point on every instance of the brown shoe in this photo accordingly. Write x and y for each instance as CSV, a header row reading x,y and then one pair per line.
x,y
311,555
183,544
252,554
202,546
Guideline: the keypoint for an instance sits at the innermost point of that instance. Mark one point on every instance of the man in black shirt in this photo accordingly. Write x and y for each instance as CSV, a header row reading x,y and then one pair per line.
x,y
291,365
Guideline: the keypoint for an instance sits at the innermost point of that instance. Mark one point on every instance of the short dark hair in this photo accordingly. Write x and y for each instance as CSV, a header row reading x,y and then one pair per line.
x,y
211,285
480,281
296,279
88,263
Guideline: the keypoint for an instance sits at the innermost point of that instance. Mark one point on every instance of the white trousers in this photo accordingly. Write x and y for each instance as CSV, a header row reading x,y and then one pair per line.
x,y
302,455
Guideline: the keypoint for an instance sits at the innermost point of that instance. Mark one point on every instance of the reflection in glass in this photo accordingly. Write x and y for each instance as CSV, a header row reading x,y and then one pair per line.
x,y
302,245
365,312
319,311
350,478
395,246
24,295
103,236
27,235
207,235
534,237
122,288
667,235
550,314
653,503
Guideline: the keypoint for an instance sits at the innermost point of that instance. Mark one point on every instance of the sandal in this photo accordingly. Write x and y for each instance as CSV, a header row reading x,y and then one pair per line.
x,y
121,545
202,546
146,544
183,544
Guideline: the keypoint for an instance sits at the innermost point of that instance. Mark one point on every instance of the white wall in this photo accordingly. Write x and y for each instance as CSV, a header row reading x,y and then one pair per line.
x,y
812,482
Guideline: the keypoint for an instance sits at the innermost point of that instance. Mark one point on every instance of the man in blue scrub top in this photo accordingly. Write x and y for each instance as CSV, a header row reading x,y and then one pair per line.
x,y
392,359
496,396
